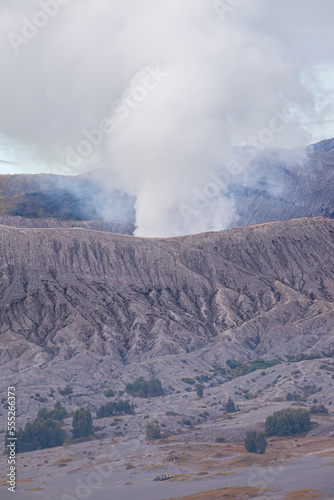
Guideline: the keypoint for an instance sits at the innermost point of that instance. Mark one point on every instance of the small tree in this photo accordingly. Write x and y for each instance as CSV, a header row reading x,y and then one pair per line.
x,y
82,423
199,390
255,442
250,441
58,412
230,406
261,443
66,391
109,393
153,431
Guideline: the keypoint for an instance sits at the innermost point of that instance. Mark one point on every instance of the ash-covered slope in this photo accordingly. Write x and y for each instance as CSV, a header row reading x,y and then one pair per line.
x,y
279,188
79,197
72,294
122,226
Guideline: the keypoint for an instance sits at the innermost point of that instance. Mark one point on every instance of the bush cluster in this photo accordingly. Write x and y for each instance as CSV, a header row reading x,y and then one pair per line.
x,y
239,369
145,388
113,408
319,409
82,423
293,396
44,432
153,431
109,393
66,391
288,422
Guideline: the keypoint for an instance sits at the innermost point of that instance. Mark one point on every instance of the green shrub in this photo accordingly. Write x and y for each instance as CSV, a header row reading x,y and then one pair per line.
x,y
293,397
250,441
145,389
66,391
199,390
261,443
319,409
109,393
153,431
82,423
304,357
239,369
255,442
288,422
43,432
115,408
189,381
230,406
220,439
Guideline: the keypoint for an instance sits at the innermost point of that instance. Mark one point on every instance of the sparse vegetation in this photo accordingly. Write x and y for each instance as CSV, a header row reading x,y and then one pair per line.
x,y
199,390
66,391
58,413
115,408
153,431
319,409
238,369
293,396
145,389
109,393
220,439
188,380
303,357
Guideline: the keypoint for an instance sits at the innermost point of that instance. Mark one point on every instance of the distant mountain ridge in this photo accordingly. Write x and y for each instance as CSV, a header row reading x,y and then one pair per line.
x,y
326,146
277,187
61,197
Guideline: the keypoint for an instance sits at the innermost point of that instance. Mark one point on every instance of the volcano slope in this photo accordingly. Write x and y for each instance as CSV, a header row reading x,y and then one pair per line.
x,y
96,309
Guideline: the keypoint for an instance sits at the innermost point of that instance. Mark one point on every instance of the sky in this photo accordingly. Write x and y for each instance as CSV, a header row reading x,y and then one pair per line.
x,y
159,93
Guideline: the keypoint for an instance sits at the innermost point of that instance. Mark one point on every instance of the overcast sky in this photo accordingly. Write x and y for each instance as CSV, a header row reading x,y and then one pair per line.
x,y
158,91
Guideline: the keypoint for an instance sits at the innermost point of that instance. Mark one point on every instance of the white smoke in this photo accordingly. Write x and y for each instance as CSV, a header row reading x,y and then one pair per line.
x,y
158,92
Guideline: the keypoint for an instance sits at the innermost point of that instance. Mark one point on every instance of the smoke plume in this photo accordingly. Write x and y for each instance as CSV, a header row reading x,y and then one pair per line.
x,y
161,94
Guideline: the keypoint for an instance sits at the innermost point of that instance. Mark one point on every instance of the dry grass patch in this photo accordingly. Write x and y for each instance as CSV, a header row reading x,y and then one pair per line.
x,y
232,493
62,462
249,460
151,467
304,494
79,468
223,473
26,480
182,477
129,466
